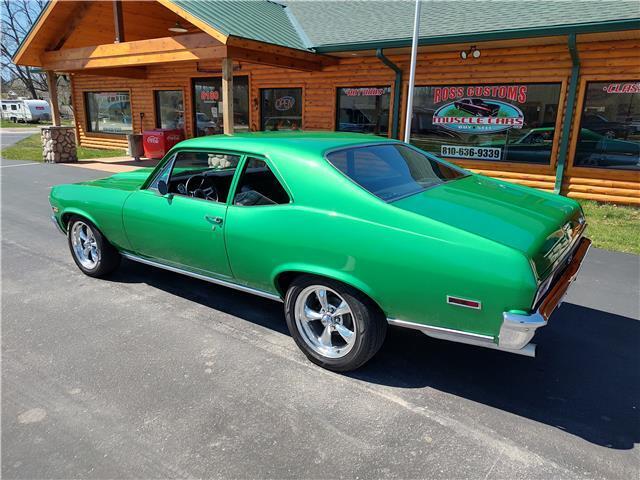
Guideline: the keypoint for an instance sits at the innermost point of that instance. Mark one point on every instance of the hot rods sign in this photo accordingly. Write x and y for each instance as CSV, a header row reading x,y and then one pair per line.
x,y
476,109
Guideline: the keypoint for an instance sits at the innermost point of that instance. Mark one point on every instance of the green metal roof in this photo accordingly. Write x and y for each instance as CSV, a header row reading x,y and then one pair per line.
x,y
329,22
262,20
333,25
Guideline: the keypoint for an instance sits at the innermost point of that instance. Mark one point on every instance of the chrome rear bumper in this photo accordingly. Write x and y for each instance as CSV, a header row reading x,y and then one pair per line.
x,y
518,329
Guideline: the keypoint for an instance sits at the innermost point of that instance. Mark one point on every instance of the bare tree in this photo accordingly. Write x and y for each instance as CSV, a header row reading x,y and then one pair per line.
x,y
17,17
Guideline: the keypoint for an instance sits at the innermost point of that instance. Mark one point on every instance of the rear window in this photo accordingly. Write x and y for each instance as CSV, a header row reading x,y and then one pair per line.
x,y
392,171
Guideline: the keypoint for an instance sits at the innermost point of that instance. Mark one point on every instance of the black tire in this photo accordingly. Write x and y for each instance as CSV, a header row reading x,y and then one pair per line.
x,y
368,319
109,257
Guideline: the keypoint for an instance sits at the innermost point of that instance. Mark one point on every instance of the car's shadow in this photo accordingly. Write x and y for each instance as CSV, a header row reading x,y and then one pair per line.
x,y
585,379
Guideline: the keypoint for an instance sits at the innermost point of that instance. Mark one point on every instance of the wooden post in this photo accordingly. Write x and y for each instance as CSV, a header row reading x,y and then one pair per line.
x,y
117,21
53,96
227,95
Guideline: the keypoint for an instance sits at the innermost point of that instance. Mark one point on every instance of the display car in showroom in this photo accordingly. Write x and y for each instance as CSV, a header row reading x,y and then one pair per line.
x,y
477,107
351,232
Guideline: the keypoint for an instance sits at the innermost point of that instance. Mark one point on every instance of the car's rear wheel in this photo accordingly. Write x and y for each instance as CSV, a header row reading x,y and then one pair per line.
x,y
335,325
91,251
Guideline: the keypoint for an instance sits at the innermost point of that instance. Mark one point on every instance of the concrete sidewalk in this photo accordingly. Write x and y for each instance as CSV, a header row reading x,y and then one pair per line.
x,y
114,164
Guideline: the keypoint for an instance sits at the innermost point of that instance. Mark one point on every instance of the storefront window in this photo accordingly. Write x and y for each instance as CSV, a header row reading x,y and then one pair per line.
x,y
169,109
610,126
281,109
502,123
108,112
207,95
364,110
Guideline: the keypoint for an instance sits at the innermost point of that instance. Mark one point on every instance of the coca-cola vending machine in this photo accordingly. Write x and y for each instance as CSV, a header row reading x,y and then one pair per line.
x,y
159,141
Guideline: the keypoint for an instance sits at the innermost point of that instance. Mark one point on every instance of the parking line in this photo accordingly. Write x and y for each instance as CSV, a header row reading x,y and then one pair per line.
x,y
20,165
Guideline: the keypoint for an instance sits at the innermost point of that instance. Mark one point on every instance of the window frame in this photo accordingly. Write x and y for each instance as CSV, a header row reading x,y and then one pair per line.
x,y
244,156
194,112
236,182
157,110
576,125
368,85
87,120
453,166
300,87
519,167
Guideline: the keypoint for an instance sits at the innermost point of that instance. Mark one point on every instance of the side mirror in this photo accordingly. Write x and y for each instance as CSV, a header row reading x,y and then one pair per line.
x,y
163,188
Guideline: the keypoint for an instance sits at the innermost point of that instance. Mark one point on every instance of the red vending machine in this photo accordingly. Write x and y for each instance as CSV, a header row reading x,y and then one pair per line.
x,y
159,141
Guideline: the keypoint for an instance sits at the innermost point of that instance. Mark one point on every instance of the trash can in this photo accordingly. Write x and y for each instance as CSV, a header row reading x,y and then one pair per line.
x,y
135,148
159,141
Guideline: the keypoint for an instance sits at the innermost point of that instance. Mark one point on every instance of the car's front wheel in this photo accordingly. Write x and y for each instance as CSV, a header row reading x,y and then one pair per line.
x,y
335,325
91,251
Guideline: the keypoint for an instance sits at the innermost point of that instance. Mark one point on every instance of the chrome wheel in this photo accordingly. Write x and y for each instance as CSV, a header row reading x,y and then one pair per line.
x,y
85,246
325,321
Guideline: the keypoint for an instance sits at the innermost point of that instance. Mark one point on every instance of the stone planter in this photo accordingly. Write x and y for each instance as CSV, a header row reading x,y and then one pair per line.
x,y
59,145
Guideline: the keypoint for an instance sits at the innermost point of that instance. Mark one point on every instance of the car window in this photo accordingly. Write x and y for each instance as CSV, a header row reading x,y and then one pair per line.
x,y
204,175
259,186
392,171
162,175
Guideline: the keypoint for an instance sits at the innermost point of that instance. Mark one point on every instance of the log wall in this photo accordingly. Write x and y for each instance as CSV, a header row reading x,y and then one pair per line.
x,y
608,60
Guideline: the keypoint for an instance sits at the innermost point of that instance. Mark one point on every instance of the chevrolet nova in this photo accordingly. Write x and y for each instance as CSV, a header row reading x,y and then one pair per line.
x,y
351,232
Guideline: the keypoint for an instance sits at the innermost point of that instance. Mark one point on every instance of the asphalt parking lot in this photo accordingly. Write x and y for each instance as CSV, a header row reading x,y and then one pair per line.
x,y
154,375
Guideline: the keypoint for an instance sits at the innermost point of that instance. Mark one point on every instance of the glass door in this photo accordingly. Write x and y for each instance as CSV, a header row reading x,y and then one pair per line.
x,y
207,105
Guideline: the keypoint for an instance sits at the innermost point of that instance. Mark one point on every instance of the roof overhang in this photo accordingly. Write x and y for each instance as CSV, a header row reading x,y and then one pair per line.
x,y
211,44
583,28
183,48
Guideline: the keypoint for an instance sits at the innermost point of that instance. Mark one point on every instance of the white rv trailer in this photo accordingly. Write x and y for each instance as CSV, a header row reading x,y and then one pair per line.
x,y
24,110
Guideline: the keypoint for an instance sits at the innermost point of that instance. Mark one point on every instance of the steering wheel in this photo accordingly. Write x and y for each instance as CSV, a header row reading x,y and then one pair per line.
x,y
195,187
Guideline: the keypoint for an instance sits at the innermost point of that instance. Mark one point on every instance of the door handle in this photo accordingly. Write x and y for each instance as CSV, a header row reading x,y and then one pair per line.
x,y
213,220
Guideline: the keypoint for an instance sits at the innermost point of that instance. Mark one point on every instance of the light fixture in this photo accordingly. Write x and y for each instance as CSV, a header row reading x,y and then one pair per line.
x,y
178,28
472,52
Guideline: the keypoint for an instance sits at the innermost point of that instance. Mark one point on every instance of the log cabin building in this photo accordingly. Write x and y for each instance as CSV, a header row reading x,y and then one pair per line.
x,y
545,93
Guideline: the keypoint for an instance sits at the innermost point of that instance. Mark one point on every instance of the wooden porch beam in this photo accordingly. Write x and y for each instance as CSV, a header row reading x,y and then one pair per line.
x,y
129,72
199,46
227,95
118,21
78,16
53,97
272,59
269,48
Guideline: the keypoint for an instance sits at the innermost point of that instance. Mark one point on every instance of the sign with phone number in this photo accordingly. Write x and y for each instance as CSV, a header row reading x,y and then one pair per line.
x,y
476,153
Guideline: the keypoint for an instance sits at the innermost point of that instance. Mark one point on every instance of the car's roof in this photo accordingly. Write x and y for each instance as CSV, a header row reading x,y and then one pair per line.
x,y
286,142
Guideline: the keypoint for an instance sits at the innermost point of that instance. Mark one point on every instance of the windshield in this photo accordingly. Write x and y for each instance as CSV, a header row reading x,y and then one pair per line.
x,y
392,171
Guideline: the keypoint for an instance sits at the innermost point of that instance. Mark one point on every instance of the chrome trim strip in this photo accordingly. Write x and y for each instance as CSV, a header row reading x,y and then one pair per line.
x,y
223,283
60,229
431,329
458,336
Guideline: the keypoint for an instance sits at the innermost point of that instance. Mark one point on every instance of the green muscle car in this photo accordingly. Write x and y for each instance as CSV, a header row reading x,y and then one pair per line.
x,y
351,232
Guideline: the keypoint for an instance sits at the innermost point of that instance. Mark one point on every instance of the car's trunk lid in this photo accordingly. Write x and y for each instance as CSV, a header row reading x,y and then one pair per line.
x,y
535,223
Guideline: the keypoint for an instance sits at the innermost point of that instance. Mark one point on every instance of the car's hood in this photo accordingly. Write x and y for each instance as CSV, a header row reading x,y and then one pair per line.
x,y
537,224
123,181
